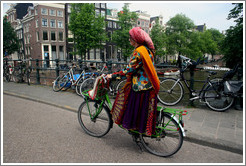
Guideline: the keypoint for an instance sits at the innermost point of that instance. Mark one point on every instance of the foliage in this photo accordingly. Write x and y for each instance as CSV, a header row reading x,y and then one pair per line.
x,y
180,36
87,28
233,42
10,41
159,39
121,36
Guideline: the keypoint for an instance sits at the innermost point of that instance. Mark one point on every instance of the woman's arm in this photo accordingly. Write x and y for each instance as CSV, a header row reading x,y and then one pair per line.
x,y
134,64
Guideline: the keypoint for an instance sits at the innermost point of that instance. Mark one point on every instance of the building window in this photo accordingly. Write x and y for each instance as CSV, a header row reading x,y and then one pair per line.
x,y
102,13
45,35
52,12
97,5
52,23
60,36
59,13
114,25
110,24
37,36
60,24
44,22
36,11
44,11
29,12
53,35
97,12
36,23
103,5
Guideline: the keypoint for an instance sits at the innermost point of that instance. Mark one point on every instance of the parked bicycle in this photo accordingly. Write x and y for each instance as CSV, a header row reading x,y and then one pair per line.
x,y
95,119
22,72
212,92
68,79
6,71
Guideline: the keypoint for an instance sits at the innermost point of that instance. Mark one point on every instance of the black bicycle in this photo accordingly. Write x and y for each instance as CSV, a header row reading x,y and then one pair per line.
x,y
6,71
212,92
22,72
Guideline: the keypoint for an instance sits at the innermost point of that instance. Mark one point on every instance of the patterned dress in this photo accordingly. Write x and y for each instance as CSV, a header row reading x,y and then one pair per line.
x,y
135,104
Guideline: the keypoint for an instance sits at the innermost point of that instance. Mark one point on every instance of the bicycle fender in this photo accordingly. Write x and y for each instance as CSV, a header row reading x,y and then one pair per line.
x,y
180,126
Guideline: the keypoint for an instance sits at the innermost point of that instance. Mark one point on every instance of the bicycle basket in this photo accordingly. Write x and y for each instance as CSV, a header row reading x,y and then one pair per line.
x,y
232,86
100,88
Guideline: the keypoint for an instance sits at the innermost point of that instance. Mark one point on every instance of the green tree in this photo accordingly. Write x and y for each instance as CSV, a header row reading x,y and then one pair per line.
x,y
10,41
158,37
179,34
121,37
233,42
88,28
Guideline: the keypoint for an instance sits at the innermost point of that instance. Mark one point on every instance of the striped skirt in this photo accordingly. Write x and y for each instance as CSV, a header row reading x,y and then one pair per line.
x,y
135,110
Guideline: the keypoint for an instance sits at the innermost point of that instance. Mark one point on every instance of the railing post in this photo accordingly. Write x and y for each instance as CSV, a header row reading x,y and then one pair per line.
x,y
109,65
37,71
192,68
57,67
80,64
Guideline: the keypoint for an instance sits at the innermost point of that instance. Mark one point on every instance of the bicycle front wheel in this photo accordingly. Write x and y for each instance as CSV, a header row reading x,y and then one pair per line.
x,y
216,99
120,85
94,118
60,82
171,92
169,139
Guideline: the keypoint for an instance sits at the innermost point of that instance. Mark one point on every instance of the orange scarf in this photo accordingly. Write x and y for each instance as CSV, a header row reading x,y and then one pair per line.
x,y
149,68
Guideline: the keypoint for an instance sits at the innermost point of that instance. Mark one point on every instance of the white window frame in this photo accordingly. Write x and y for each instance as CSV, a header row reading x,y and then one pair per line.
x,y
54,14
47,35
46,22
42,11
51,36
51,24
59,36
36,23
58,24
59,14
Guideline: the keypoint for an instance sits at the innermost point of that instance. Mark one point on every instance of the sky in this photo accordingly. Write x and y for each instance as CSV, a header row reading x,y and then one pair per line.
x,y
212,13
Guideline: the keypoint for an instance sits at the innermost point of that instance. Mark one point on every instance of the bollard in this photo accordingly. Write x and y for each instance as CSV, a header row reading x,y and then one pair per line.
x,y
37,71
57,67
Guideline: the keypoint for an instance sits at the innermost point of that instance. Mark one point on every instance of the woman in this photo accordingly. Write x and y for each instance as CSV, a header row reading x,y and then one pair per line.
x,y
135,104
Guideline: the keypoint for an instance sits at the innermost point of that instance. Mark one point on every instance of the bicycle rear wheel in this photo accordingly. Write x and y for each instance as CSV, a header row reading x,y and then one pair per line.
x,y
94,118
60,82
169,140
171,92
216,99
87,84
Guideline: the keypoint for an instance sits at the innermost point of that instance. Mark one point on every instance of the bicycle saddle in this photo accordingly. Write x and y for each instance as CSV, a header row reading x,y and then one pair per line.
x,y
212,72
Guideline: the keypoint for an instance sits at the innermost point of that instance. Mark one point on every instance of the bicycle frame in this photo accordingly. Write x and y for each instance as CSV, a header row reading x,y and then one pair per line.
x,y
162,110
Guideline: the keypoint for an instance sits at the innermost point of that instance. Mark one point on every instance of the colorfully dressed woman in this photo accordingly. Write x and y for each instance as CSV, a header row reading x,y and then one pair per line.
x,y
135,104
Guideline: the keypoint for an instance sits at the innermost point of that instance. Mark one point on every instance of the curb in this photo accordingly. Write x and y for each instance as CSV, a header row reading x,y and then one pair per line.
x,y
193,138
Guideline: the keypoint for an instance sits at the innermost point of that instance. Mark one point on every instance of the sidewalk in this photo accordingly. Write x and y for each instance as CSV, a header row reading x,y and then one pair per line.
x,y
222,130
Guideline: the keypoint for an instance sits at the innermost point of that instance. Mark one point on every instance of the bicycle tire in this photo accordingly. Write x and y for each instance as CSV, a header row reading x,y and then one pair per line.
x,y
170,97
6,76
60,82
16,75
87,84
99,126
77,87
171,139
217,102
120,85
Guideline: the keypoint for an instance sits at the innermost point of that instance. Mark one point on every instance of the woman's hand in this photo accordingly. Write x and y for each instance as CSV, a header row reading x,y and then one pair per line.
x,y
109,75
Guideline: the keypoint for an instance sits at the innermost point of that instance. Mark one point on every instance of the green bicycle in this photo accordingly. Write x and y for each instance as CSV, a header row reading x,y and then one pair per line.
x,y
95,119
